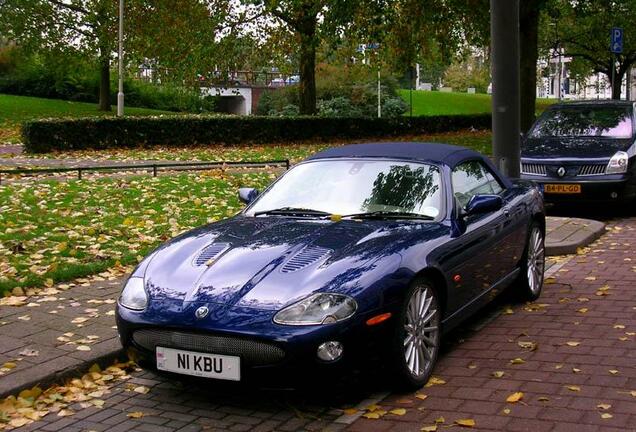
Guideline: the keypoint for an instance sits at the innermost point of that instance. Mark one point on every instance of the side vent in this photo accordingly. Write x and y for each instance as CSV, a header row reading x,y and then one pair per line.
x,y
304,258
210,252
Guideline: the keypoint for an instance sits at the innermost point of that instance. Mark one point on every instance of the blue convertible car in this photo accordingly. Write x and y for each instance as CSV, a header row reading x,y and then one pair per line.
x,y
359,251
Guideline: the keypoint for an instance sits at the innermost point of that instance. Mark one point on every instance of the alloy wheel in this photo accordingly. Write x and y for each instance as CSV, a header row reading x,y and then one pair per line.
x,y
421,332
536,260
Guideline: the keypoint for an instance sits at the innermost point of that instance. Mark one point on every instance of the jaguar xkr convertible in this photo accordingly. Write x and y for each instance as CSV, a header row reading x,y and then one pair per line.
x,y
360,251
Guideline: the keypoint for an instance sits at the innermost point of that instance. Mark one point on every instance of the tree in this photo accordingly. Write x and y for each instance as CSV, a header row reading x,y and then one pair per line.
x,y
78,26
582,30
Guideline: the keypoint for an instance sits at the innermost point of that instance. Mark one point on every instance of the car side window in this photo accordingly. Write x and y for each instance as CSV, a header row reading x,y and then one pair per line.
x,y
473,178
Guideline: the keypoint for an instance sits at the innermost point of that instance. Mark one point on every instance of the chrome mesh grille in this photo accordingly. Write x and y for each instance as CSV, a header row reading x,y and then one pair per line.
x,y
305,257
253,353
591,169
533,168
210,252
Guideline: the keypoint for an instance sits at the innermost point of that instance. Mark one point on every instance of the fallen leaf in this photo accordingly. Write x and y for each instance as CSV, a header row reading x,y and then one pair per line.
x,y
576,370
606,416
83,348
498,374
398,411
141,389
531,346
65,413
603,406
435,381
543,399
439,420
135,414
9,365
350,411
29,352
573,343
19,422
421,396
583,310
517,361
613,371
465,422
515,397
574,388
431,428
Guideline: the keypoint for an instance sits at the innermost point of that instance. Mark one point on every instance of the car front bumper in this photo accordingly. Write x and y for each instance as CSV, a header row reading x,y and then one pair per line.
x,y
607,188
275,354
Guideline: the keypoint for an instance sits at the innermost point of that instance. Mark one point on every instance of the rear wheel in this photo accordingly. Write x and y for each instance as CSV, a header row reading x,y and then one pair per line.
x,y
533,264
415,343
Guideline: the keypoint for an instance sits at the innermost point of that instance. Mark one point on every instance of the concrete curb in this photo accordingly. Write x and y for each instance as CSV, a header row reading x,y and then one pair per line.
x,y
74,370
565,235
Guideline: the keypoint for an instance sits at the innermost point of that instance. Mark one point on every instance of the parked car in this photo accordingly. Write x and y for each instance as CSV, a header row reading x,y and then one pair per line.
x,y
583,151
359,250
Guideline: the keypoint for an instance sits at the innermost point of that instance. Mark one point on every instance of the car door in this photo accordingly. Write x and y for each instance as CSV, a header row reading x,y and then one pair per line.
x,y
478,256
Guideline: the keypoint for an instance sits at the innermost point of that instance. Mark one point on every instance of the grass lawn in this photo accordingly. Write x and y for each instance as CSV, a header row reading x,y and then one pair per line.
x,y
428,103
58,231
16,109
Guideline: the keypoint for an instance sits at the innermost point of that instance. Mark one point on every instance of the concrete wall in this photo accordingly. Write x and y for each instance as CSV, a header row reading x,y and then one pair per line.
x,y
237,100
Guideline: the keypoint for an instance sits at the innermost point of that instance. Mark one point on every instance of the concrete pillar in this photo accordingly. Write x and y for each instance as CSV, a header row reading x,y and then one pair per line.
x,y
504,26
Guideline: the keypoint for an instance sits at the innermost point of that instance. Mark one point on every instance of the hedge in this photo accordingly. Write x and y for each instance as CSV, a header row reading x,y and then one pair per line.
x,y
41,136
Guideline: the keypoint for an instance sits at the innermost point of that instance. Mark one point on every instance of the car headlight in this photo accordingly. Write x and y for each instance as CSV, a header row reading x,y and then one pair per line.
x,y
321,308
134,296
618,163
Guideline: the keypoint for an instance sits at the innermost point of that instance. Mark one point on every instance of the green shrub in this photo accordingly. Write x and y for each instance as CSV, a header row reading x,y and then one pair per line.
x,y
338,107
42,136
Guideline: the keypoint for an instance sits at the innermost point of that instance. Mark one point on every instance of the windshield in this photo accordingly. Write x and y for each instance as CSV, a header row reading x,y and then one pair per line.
x,y
597,121
356,186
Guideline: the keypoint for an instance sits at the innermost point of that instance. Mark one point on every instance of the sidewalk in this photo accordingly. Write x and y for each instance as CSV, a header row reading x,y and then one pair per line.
x,y
72,329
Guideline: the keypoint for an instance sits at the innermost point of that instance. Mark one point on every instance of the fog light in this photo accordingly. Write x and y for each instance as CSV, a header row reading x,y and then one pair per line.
x,y
614,195
330,351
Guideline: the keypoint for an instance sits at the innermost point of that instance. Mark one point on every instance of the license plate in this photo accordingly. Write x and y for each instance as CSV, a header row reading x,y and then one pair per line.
x,y
562,188
199,364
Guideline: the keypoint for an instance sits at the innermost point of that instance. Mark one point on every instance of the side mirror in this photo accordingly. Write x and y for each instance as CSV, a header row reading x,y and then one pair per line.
x,y
483,204
247,195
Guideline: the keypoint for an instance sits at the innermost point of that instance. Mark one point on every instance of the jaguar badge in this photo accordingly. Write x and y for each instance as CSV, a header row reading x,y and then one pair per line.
x,y
201,312
561,172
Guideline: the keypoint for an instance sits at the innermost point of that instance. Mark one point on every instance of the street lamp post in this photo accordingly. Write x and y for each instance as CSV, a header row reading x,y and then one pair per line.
x,y
120,91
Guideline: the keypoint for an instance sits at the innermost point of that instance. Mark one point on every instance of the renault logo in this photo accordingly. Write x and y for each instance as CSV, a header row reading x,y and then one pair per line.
x,y
561,172
202,312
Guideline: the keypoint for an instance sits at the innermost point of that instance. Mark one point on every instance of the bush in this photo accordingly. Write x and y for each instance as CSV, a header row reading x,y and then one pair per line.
x,y
98,133
338,107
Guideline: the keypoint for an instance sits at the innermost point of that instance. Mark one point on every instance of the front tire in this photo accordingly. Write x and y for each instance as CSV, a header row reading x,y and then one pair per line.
x,y
532,265
416,338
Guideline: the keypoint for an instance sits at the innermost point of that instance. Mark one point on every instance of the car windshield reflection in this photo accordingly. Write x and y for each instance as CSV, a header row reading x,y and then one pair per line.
x,y
611,122
348,187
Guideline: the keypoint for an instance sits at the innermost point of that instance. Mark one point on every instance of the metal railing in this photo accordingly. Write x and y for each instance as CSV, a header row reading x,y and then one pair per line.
x,y
154,167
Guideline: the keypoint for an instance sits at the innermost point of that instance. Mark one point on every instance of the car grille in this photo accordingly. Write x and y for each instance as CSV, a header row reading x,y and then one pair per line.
x,y
533,169
305,257
592,169
252,353
581,170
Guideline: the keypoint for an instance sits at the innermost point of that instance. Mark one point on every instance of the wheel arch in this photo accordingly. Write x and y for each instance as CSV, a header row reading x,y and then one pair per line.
x,y
436,276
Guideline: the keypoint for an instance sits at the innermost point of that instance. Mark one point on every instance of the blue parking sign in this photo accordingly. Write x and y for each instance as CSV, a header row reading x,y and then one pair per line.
x,y
617,40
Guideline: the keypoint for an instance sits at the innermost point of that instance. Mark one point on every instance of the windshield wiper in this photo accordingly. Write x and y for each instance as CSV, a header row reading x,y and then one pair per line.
x,y
383,214
296,211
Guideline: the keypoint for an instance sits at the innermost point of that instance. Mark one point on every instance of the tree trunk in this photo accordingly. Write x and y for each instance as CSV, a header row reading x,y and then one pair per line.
x,y
529,39
104,84
308,68
616,85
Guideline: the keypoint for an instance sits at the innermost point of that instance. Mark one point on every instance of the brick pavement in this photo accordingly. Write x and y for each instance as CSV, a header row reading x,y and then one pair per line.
x,y
55,324
584,326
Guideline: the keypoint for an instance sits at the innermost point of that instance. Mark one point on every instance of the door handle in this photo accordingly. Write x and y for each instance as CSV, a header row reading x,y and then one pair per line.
x,y
506,211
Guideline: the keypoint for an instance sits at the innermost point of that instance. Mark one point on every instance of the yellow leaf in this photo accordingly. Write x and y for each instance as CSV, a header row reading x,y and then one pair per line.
x,y
465,422
141,389
606,416
590,278
373,407
517,361
506,411
335,217
574,388
435,381
350,411
543,399
432,428
583,310
9,365
95,368
498,374
619,326
603,406
515,397
83,348
439,420
576,370
398,411
421,396
613,371
573,343
135,414
65,413
48,283
19,422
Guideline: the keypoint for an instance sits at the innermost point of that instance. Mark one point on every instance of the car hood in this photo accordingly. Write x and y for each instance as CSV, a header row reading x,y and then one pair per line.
x,y
573,147
268,262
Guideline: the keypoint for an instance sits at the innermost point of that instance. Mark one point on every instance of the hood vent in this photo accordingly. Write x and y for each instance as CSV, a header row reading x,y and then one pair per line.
x,y
210,252
304,258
